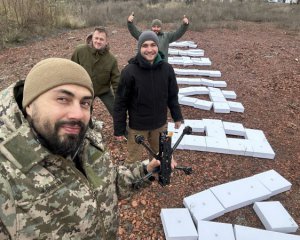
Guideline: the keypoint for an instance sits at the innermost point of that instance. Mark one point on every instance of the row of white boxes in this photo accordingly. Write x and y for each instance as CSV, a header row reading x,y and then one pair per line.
x,y
189,52
208,230
188,61
205,206
194,221
217,143
222,137
197,72
201,81
218,99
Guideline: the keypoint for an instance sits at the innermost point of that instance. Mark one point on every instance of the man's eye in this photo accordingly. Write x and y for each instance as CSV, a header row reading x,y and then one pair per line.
x,y
86,104
62,99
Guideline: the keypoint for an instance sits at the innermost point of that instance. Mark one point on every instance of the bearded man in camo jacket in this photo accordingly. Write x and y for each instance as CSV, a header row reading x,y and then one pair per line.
x,y
56,177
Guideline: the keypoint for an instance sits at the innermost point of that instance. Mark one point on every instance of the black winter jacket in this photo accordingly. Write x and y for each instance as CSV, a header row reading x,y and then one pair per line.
x,y
146,92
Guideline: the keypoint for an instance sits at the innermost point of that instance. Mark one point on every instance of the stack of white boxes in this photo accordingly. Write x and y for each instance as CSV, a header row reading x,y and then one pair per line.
x,y
223,137
229,138
211,203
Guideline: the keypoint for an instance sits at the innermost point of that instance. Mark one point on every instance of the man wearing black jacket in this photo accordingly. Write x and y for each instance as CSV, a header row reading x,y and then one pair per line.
x,y
147,88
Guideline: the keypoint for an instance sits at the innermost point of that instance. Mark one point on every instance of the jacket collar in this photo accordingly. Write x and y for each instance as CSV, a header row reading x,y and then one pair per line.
x,y
142,62
95,51
15,131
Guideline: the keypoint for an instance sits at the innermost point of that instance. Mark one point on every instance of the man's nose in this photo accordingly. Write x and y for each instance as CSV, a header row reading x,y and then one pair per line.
x,y
149,48
77,112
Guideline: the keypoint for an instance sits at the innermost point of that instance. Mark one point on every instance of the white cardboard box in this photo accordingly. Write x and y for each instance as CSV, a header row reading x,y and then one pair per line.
x,y
240,193
275,217
192,142
236,106
248,233
203,104
215,231
215,144
178,224
233,128
221,107
196,125
203,206
262,149
273,181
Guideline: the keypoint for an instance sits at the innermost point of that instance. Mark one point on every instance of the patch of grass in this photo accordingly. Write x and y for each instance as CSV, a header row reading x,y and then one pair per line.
x,y
42,14
70,22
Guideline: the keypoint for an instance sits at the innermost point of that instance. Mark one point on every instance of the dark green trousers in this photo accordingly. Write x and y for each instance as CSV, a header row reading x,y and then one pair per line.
x,y
108,100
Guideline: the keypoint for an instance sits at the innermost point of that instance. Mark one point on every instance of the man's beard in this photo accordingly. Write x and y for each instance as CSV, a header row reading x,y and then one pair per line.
x,y
102,49
65,145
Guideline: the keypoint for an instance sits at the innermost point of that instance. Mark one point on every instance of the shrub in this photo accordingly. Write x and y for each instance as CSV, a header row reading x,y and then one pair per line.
x,y
38,16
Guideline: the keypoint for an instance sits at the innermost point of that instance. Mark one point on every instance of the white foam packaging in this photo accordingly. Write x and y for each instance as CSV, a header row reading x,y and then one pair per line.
x,y
275,217
249,233
189,101
178,224
196,125
221,107
203,206
236,106
203,104
273,181
233,128
262,149
192,142
236,146
215,144
240,193
215,231
220,84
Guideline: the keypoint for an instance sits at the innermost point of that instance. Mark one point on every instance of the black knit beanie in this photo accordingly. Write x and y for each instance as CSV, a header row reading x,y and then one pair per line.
x,y
146,36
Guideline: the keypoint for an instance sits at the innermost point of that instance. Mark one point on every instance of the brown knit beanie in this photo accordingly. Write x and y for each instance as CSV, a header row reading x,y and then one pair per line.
x,y
51,73
156,22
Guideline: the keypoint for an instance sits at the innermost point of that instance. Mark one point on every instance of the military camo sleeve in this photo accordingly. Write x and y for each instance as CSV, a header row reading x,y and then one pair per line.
x,y
4,235
7,211
130,178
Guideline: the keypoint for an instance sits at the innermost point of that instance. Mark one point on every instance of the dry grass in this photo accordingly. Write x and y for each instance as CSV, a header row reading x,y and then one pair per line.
x,y
21,20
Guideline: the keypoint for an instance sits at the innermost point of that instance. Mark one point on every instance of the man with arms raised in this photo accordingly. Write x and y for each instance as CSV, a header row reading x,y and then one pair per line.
x,y
165,38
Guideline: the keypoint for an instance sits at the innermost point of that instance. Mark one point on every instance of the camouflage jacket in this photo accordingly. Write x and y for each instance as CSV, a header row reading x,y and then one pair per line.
x,y
44,196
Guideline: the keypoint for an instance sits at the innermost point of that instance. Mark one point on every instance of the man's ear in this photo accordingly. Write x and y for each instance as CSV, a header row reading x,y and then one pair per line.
x,y
28,110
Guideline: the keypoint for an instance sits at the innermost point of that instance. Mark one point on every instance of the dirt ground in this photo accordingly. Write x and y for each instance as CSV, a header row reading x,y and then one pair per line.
x,y
259,62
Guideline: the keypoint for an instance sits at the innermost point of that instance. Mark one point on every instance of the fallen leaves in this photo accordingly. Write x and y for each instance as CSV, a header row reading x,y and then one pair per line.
x,y
268,87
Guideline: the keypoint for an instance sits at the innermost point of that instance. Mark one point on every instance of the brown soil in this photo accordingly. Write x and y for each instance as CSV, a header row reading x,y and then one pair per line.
x,y
259,62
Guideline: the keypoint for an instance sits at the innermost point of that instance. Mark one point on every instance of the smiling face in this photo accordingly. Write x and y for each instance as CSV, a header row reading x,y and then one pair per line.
x,y
149,50
156,29
60,117
99,40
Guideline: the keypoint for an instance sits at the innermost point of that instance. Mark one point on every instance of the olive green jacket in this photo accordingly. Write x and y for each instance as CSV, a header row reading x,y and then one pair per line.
x,y
44,196
165,38
101,66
